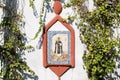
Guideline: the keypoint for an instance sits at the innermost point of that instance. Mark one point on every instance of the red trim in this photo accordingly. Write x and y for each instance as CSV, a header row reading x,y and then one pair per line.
x,y
60,70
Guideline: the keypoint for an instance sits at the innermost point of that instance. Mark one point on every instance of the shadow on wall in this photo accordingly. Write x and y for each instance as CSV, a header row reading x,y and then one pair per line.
x,y
62,1
48,7
28,76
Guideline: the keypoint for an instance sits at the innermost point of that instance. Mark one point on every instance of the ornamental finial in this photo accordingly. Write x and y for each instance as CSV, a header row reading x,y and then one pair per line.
x,y
57,7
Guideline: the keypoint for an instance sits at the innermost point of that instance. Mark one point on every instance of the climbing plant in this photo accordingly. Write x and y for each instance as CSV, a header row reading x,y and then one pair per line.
x,y
42,14
13,65
97,33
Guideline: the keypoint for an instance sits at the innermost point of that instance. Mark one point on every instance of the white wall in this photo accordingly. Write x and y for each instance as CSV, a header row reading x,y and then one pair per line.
x,y
34,59
1,33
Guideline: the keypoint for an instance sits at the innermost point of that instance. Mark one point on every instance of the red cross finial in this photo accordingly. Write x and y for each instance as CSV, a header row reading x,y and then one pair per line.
x,y
57,7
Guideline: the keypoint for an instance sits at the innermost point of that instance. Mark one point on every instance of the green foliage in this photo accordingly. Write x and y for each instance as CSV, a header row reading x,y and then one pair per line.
x,y
67,5
12,61
41,22
31,3
96,31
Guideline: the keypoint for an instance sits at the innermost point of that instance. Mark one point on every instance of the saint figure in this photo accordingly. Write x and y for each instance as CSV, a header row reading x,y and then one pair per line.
x,y
58,46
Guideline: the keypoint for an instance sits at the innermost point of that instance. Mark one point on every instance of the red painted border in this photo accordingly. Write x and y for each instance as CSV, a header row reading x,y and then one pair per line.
x,y
72,46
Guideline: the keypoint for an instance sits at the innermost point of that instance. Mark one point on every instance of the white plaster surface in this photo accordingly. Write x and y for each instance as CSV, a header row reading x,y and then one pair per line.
x,y
0,14
1,32
58,26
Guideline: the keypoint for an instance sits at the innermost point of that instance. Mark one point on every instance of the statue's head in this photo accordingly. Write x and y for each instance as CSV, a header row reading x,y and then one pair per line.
x,y
58,38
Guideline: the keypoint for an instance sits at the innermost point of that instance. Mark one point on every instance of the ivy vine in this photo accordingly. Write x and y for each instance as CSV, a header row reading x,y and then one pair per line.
x,y
97,33
13,65
42,19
